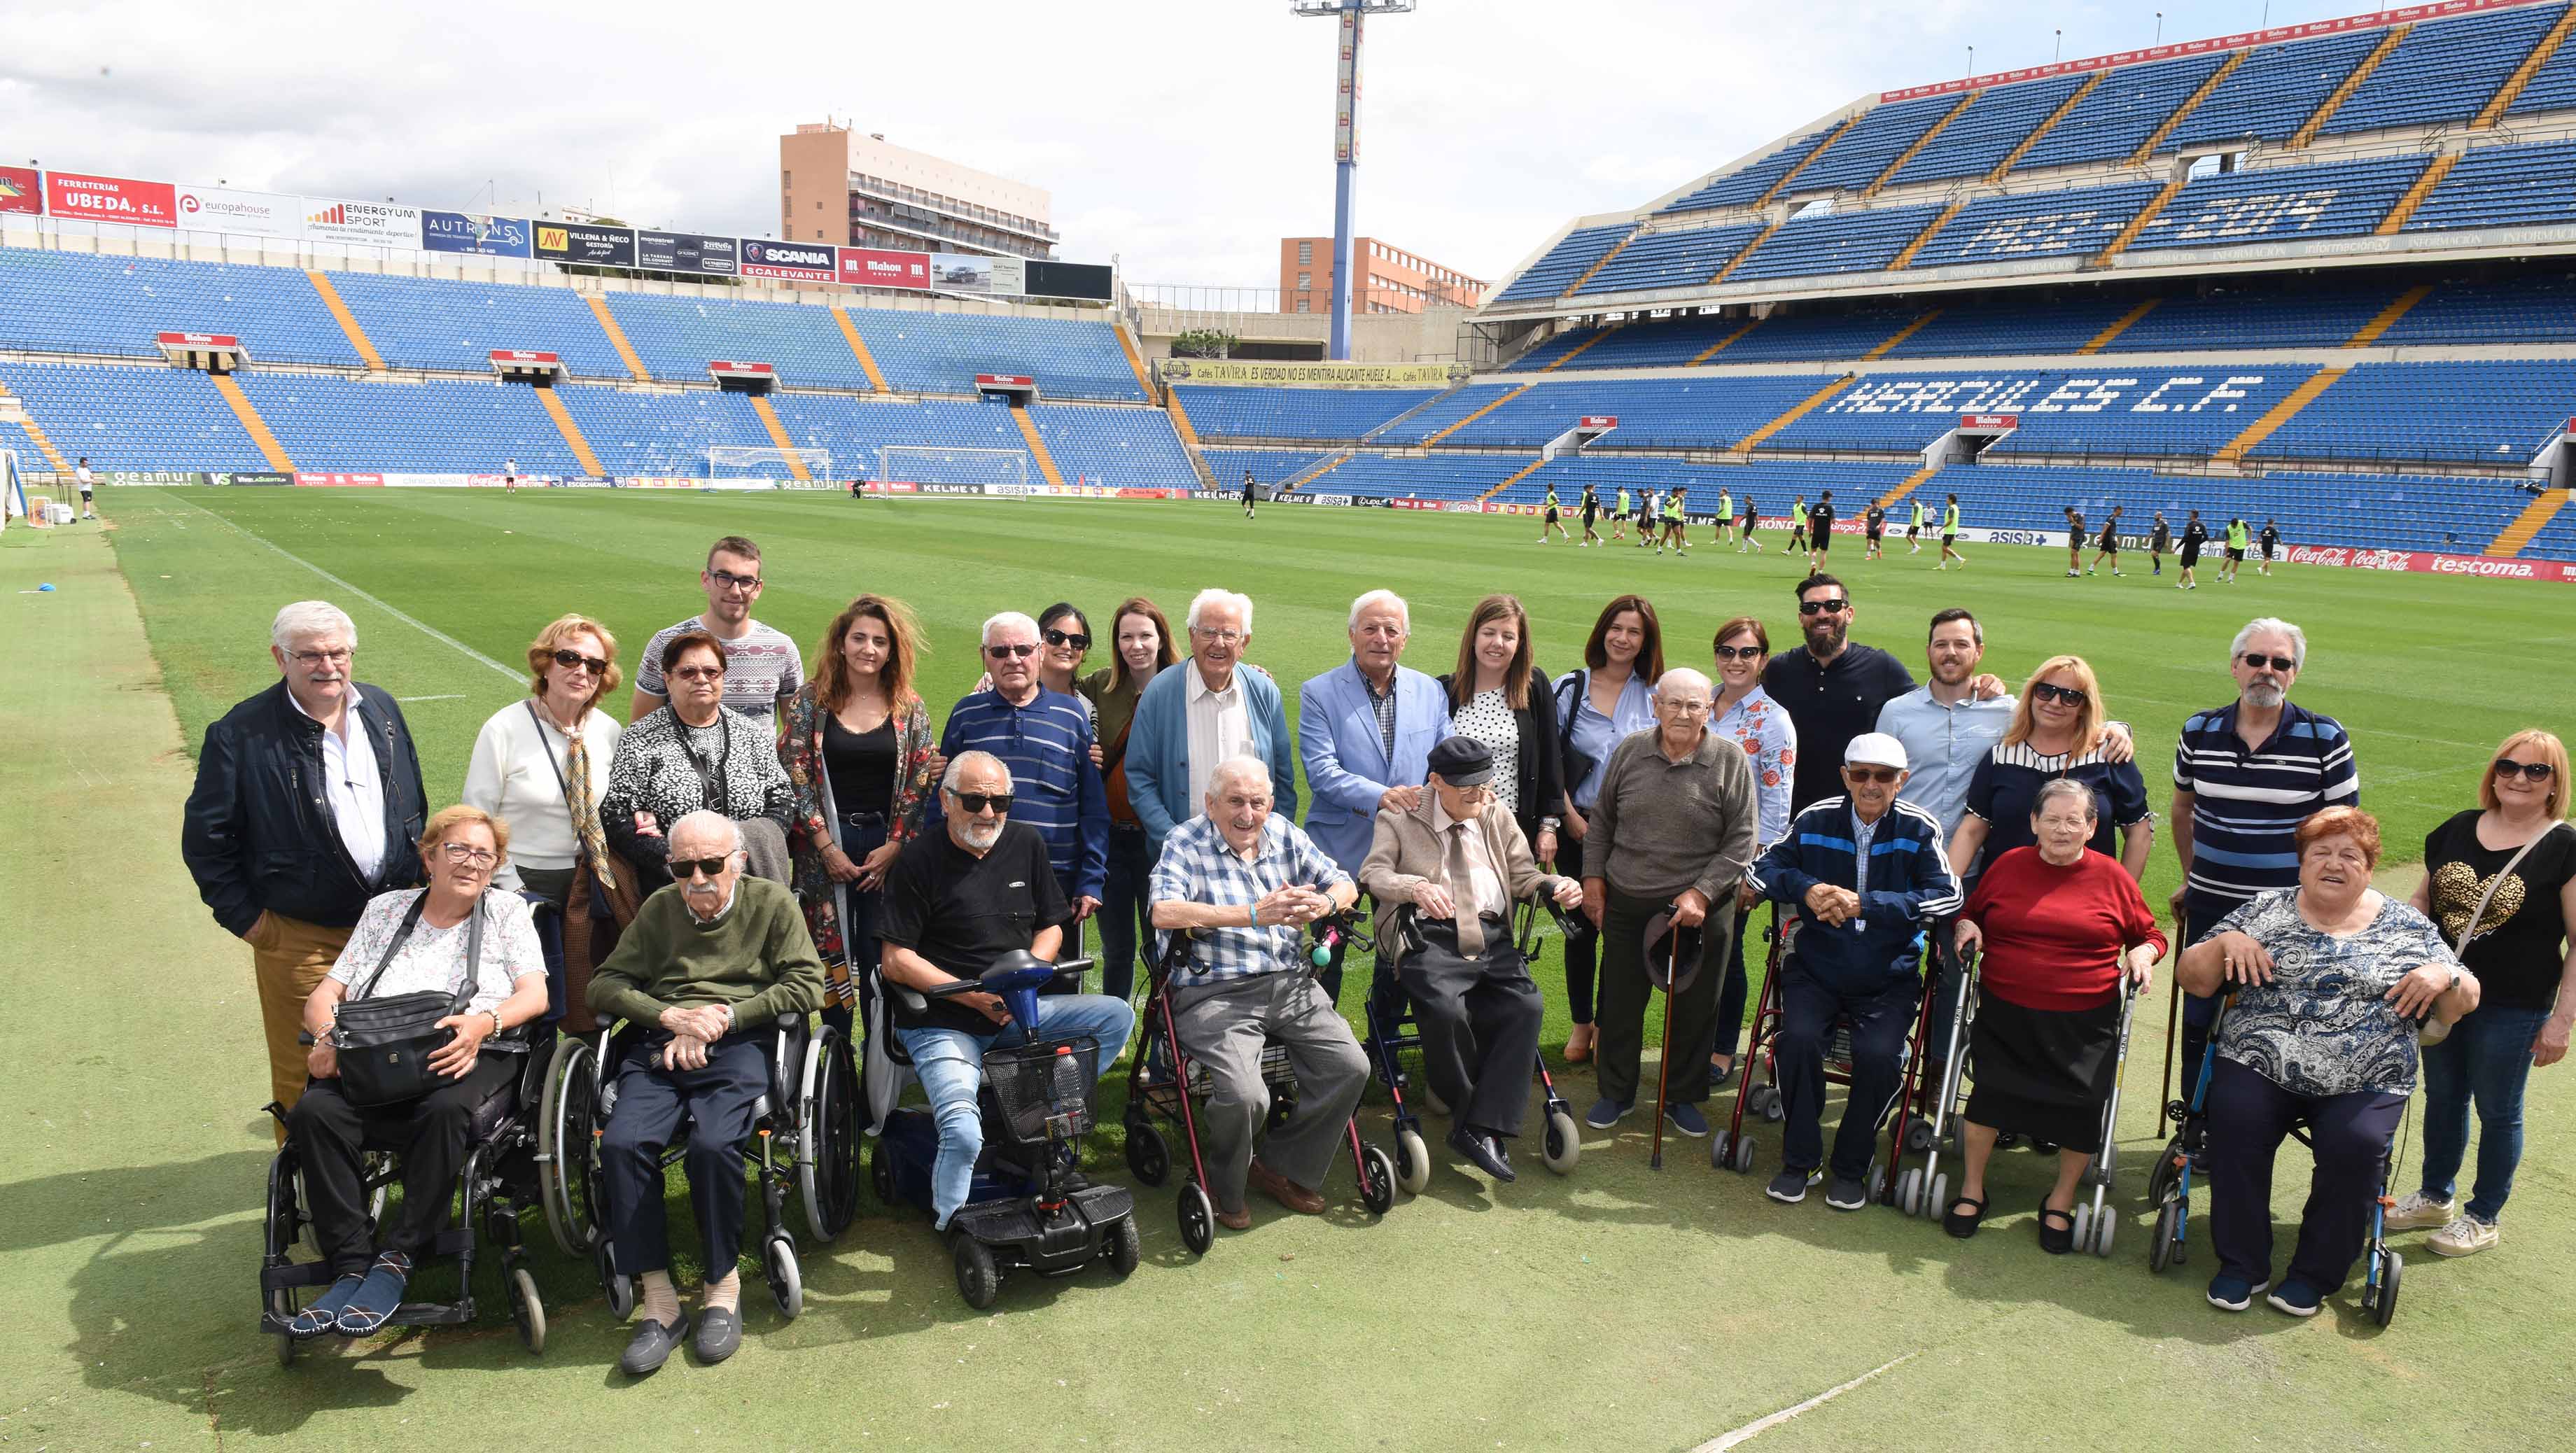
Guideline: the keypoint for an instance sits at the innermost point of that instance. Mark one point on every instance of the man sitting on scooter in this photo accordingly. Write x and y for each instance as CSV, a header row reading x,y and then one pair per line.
x,y
954,902
1249,881
1865,872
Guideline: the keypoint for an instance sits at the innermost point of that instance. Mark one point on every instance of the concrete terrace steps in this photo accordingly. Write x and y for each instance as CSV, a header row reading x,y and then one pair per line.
x,y
572,435
2395,221
347,320
777,430
1880,182
2235,450
617,337
2047,124
252,424
2511,91
2190,103
1791,174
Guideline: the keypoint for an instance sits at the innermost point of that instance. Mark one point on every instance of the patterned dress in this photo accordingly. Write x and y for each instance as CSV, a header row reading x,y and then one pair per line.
x,y
810,823
1488,718
2323,1025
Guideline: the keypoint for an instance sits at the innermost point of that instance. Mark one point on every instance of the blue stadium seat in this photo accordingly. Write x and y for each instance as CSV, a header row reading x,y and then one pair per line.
x,y
1816,337
1671,259
1705,411
665,433
2444,70
2117,116
677,337
2035,224
1654,343
2556,540
1984,134
2539,309
418,322
2053,325
1120,447
131,417
1075,358
1874,142
2497,413
1569,259
1745,185
2182,412
2249,312
1229,411
440,426
2503,186
2552,87
1550,349
2282,204
1268,466
2391,511
2275,91
1831,242
67,302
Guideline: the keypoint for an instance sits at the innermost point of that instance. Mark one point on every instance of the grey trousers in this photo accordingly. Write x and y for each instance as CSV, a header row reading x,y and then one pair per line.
x,y
1223,1026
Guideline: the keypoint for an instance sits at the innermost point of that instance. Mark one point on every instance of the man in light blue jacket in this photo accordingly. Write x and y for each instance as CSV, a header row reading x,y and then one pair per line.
x,y
1366,729
1196,715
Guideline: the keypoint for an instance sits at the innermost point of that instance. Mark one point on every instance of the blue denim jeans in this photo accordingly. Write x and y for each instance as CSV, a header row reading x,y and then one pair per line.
x,y
2486,1059
859,930
950,1064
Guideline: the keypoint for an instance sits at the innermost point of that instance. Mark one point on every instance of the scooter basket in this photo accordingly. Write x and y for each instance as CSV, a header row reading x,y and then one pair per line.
x,y
1043,1086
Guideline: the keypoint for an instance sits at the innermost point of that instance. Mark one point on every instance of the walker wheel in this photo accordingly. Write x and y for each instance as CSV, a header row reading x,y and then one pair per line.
x,y
527,1309
1198,1218
1721,1149
1126,1246
1377,1180
1412,1162
1149,1155
786,1279
1939,1201
979,1281
2381,1301
1773,1107
1564,1145
2166,1249
1918,1135
1909,1192
1877,1182
2082,1237
2166,1173
881,1171
1744,1155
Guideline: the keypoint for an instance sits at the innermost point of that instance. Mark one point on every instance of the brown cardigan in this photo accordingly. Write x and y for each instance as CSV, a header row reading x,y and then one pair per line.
x,y
1405,853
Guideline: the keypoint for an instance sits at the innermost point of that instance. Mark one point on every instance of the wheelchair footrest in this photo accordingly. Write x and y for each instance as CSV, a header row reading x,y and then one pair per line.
x,y
295,1274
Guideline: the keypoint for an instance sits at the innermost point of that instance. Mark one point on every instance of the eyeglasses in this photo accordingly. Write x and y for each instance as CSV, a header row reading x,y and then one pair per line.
x,y
339,657
2071,695
1688,708
1872,774
1068,638
690,869
2258,661
1004,653
1222,638
2536,771
460,853
727,580
592,664
699,673
1822,607
1739,653
1000,802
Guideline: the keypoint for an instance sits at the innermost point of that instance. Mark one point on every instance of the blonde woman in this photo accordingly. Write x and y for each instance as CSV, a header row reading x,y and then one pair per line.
x,y
541,763
2056,731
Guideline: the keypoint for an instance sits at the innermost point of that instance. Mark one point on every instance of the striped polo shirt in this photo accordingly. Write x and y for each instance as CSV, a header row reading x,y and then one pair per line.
x,y
1054,788
2246,802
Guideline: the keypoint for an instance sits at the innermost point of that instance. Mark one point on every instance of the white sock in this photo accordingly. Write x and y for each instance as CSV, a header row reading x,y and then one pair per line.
x,y
661,1301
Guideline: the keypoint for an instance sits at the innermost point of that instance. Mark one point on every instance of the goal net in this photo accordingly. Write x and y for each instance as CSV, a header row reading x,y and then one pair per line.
x,y
734,461
1007,469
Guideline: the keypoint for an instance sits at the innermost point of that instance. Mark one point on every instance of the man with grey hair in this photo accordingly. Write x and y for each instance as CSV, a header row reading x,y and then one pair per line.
x,y
2245,776
308,802
1044,739
1240,882
1209,709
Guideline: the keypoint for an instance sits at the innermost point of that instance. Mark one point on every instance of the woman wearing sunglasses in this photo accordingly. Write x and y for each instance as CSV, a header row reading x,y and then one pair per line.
x,y
539,763
2056,731
2500,881
693,753
1746,715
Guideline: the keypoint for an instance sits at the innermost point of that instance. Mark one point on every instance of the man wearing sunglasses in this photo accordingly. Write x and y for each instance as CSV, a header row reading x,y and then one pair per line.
x,y
1833,690
763,668
1044,739
1865,872
2245,776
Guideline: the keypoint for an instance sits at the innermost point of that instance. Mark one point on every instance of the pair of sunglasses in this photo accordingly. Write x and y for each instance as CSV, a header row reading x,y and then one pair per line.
x,y
978,801
1068,638
2536,771
1738,653
1872,774
1004,653
570,659
687,869
1821,607
2258,661
2071,695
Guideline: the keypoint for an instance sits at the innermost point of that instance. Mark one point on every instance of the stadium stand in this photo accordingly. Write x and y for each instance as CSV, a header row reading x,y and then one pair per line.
x,y
2188,413
2503,186
1554,351
664,433
1670,259
1979,138
1831,242
2249,313
1568,260
942,352
132,417
2054,325
2459,412
2035,224
2395,511
1748,184
2274,91
1238,411
2551,88
1795,338
65,302
2116,117
2530,309
1873,143
2443,70
1706,412
428,323
1268,466
677,336
2339,199
437,426
1123,448
1657,342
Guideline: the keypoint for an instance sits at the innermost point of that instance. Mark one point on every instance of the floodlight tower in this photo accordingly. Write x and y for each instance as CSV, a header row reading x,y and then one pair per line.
x,y
1346,143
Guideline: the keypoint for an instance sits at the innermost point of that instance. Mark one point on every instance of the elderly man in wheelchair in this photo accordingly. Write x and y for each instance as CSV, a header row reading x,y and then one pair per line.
x,y
702,979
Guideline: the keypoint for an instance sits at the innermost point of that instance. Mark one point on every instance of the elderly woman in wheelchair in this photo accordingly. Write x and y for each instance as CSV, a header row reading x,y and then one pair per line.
x,y
407,1058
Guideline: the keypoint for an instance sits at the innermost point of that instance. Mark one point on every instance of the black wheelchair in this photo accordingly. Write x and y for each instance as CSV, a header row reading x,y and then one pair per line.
x,y
805,1133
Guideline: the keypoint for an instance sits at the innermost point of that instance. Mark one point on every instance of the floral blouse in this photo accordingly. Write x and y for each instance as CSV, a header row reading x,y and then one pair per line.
x,y
809,825
433,958
1770,740
2323,1025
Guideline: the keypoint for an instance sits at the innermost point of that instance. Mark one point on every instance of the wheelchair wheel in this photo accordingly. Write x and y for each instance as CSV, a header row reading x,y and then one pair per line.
x,y
1198,1218
979,1281
881,1171
1377,1180
1126,1246
1149,1155
1412,1162
1564,1143
827,1135
2166,1173
2167,1248
567,1145
281,1305
2380,1301
527,1309
786,1279
285,1214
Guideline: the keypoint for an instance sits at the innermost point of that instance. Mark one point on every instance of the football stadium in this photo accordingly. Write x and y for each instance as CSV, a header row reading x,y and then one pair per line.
x,y
2257,328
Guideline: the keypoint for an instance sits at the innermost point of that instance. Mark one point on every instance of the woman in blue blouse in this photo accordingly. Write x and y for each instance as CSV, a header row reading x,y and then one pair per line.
x,y
1746,715
1610,699
2060,710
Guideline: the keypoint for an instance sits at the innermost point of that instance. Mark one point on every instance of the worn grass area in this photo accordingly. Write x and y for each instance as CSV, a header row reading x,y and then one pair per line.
x,y
1620,1307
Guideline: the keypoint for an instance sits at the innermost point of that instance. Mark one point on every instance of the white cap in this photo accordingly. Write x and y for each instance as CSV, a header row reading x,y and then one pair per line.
x,y
1876,749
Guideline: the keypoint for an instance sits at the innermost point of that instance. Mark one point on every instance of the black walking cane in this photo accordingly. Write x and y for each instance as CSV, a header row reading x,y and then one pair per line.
x,y
1673,971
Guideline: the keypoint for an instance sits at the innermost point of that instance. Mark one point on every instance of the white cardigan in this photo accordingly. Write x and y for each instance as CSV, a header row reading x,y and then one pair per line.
x,y
512,776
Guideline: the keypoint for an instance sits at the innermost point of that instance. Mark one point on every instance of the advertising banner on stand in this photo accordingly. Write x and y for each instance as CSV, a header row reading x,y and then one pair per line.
x,y
1346,375
474,232
875,267
368,224
21,190
801,261
584,243
960,272
250,476
222,209
685,252
1010,276
111,199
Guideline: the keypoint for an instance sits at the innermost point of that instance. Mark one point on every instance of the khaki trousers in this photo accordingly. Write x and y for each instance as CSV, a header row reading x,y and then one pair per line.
x,y
288,957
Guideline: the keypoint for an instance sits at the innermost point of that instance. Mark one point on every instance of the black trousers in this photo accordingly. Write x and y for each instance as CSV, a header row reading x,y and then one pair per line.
x,y
429,1137
1880,1020
1480,1023
1582,950
2249,1117
1626,991
717,1100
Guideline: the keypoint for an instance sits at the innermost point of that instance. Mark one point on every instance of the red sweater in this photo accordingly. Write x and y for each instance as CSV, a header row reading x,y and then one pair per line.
x,y
2054,935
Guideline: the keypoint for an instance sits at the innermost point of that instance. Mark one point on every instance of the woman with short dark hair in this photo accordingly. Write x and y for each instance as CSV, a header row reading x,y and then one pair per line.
x,y
689,753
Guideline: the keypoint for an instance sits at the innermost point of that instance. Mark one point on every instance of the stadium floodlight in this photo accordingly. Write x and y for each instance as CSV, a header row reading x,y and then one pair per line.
x,y
1346,143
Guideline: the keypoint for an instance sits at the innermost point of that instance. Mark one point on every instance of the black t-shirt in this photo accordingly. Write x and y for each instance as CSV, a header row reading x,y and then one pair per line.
x,y
2111,535
860,766
2161,536
2270,537
961,912
1875,520
2194,535
1820,521
2518,952
1831,705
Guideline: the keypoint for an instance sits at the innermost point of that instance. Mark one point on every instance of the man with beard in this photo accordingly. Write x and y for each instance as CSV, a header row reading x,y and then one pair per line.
x,y
2245,776
1833,690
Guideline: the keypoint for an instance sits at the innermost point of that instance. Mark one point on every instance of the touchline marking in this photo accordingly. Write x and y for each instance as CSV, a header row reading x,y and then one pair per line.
x,y
1759,1426
422,626
451,696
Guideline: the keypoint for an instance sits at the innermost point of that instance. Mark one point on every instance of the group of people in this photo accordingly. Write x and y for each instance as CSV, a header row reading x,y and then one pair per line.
x,y
755,840
1662,519
2239,540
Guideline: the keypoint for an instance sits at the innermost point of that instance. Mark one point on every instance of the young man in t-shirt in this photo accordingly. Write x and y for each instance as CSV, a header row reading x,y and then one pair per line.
x,y
87,482
2159,540
509,476
762,666
2107,544
1798,523
1820,531
2270,540
1949,535
1873,524
1914,530
2238,539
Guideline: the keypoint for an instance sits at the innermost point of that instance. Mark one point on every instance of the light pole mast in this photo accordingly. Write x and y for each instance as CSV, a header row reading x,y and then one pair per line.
x,y
1346,143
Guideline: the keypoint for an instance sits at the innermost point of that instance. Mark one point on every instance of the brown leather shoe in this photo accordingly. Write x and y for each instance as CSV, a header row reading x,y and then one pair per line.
x,y
1235,1220
1286,1192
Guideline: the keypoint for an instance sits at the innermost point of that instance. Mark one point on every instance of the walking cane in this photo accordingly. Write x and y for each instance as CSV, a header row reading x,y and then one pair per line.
x,y
1673,980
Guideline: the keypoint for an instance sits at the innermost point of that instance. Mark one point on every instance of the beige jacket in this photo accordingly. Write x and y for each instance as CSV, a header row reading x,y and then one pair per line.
x,y
1406,852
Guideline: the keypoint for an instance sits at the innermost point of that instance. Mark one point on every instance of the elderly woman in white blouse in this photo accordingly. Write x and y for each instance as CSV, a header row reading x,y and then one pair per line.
x,y
408,941
541,763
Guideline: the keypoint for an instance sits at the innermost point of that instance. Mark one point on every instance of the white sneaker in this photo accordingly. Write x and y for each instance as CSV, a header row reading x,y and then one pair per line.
x,y
2466,1236
2415,1210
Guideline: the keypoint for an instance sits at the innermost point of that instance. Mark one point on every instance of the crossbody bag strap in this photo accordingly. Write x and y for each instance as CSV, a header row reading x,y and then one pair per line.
x,y
562,788
402,935
473,956
1581,681
2476,915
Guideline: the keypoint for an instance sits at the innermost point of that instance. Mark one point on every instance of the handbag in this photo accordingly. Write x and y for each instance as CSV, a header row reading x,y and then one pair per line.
x,y
1578,765
385,1044
2434,1031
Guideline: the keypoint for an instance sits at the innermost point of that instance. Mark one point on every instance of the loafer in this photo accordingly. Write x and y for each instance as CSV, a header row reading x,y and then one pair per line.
x,y
652,1345
2234,1293
1789,1187
719,1334
2295,1297
1688,1120
1847,1193
1285,1191
1238,1219
322,1318
376,1297
1481,1151
1606,1113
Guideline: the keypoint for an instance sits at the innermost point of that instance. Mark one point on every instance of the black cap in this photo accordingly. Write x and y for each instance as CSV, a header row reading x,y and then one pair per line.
x,y
1463,761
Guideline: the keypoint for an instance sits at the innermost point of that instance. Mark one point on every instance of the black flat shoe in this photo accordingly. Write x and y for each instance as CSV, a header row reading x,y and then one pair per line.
x,y
653,1344
719,1333
2056,1240
1480,1151
1965,1226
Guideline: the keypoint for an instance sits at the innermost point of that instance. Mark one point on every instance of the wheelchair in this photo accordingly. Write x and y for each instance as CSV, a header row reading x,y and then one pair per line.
x,y
1395,1048
1164,1084
499,1179
1029,1206
805,1133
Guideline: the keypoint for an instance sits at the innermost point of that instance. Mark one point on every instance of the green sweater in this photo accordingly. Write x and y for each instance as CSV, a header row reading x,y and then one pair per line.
x,y
757,958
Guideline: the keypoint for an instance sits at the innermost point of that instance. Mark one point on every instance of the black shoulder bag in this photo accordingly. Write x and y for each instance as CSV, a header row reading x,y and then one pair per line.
x,y
385,1044
1577,765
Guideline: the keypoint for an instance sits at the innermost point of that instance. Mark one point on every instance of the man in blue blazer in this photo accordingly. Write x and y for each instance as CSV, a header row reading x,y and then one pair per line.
x,y
1366,729
1196,715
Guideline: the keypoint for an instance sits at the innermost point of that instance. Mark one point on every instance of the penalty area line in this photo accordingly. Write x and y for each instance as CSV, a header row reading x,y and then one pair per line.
x,y
1759,1426
415,622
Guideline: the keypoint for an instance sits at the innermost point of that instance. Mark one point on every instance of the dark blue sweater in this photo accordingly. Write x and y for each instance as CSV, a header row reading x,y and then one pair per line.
x,y
1910,882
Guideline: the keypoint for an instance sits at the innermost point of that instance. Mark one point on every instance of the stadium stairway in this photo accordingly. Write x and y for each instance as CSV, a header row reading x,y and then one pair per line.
x,y
348,322
1721,345
1732,263
572,435
1791,174
2308,129
1908,331
27,421
1498,401
1905,258
769,420
1803,407
1189,438
1935,129
859,349
617,339
2217,78
1908,485
2534,518
1518,475
1135,360
2390,225
2281,413
2511,91
2126,321
2138,224
2046,124
1037,446
2403,303
252,424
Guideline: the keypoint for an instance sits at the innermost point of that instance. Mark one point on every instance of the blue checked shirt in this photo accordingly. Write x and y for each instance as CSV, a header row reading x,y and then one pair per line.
x,y
1054,788
1198,867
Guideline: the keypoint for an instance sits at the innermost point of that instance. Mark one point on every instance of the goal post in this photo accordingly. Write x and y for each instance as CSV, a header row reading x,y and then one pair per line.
x,y
1007,469
735,461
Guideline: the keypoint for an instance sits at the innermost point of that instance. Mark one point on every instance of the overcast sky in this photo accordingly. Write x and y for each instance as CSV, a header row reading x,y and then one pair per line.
x,y
1185,136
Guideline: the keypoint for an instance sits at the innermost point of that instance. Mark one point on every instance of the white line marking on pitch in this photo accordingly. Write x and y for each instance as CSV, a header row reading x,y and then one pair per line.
x,y
451,696
1759,1426
422,626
